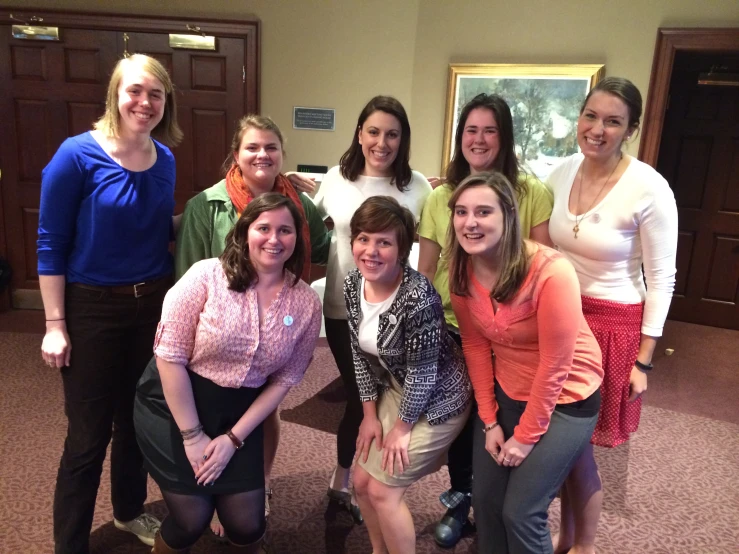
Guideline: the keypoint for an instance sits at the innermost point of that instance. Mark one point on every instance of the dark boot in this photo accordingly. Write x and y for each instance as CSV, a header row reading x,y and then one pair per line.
x,y
454,524
161,547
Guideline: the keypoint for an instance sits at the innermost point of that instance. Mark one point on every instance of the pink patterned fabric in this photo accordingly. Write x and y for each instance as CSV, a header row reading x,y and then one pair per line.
x,y
216,332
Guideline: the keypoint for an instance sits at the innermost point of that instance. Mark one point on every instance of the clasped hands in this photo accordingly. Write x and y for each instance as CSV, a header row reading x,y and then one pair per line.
x,y
209,457
507,453
394,447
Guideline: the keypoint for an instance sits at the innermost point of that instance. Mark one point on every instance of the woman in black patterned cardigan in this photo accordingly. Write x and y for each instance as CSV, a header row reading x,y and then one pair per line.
x,y
410,373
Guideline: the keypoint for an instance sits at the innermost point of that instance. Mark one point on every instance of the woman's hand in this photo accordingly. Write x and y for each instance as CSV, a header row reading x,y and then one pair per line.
x,y
216,456
494,441
369,430
637,383
513,453
434,181
395,450
195,449
56,349
300,182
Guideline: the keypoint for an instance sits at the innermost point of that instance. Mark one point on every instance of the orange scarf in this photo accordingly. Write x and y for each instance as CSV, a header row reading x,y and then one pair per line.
x,y
241,196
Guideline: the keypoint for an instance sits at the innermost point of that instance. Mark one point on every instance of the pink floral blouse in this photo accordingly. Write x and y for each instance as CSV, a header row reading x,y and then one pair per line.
x,y
216,333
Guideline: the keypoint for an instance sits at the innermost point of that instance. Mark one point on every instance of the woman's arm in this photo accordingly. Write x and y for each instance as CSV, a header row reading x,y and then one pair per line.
x,y
320,237
194,236
56,348
428,257
540,233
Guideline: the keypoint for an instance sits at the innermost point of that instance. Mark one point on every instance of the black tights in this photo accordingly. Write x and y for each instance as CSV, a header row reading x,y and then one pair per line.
x,y
241,514
339,341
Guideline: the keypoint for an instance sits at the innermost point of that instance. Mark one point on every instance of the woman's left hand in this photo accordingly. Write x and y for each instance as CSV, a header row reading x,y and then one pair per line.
x,y
395,449
301,183
637,383
216,455
513,453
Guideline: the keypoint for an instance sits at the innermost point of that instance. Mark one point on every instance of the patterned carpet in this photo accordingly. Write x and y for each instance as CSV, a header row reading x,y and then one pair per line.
x,y
672,490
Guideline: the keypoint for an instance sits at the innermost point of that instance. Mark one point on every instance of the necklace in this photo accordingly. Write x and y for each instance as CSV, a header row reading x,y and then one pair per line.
x,y
576,228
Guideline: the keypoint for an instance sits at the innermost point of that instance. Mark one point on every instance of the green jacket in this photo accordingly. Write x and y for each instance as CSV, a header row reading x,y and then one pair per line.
x,y
209,217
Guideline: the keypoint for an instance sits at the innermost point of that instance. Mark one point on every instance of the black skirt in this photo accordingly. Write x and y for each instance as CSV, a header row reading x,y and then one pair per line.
x,y
219,408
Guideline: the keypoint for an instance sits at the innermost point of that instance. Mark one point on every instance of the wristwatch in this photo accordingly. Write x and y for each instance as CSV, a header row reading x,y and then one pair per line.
x,y
643,367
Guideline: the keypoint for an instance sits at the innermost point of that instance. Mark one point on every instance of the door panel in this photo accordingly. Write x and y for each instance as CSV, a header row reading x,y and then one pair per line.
x,y
699,156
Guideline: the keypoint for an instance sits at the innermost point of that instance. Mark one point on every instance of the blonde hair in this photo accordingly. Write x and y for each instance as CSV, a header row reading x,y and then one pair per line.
x,y
514,260
167,131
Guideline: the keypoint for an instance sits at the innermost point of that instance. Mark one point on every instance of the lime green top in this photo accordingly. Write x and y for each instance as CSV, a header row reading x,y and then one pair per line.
x,y
534,209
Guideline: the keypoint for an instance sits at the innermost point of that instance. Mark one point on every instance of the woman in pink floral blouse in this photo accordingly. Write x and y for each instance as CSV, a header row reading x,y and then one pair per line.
x,y
236,333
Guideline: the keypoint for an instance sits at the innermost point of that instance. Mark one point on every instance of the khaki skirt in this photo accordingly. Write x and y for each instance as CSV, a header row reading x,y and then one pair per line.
x,y
429,444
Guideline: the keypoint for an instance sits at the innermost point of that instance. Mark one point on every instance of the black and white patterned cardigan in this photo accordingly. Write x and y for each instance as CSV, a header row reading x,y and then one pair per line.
x,y
415,346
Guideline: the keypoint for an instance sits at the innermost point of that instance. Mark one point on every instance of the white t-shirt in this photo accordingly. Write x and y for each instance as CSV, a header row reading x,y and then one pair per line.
x,y
370,321
339,198
634,224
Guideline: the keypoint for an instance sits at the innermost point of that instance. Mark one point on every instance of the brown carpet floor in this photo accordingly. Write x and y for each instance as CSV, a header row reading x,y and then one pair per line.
x,y
673,489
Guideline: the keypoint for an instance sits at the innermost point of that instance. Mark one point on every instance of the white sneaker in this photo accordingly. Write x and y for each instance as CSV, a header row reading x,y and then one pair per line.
x,y
145,527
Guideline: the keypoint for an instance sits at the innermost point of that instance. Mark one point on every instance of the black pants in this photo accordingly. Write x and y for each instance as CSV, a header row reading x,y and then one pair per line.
x,y
460,452
112,338
339,341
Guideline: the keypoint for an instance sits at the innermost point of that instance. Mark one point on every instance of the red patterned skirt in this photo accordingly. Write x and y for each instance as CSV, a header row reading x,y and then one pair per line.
x,y
617,328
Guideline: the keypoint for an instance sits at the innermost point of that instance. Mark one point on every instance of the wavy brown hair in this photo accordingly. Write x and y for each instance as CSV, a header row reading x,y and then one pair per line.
x,y
506,161
352,162
514,259
237,266
384,213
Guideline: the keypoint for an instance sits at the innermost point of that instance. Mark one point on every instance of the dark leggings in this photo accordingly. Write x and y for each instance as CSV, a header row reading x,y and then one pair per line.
x,y
241,514
339,341
460,452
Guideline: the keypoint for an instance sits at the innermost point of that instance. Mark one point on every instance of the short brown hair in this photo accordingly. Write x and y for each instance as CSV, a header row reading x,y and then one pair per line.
x,y
251,121
167,131
384,213
352,162
514,258
239,270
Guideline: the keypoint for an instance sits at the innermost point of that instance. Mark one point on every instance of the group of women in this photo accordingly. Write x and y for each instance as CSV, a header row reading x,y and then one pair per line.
x,y
555,342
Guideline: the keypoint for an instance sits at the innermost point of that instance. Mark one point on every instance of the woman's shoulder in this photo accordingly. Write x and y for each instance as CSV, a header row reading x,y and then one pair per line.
x,y
547,261
560,173
419,182
416,286
649,178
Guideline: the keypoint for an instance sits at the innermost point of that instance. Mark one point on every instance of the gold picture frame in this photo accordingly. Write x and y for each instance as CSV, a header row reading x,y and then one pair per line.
x,y
560,89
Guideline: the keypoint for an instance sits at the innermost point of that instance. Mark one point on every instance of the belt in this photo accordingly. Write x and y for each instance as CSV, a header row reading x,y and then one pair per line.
x,y
138,290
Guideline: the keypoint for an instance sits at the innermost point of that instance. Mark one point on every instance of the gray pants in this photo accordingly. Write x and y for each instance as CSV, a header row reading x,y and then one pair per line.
x,y
511,504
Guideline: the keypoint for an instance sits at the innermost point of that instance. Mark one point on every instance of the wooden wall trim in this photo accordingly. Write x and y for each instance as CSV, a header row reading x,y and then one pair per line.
x,y
669,42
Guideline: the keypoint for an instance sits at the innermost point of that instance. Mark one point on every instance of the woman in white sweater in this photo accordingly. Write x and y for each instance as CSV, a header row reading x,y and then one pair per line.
x,y
376,163
612,215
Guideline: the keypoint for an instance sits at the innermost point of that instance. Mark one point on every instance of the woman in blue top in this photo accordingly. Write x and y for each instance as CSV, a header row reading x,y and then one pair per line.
x,y
107,198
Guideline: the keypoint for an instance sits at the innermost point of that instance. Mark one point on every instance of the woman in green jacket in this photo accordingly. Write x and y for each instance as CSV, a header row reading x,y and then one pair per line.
x,y
252,168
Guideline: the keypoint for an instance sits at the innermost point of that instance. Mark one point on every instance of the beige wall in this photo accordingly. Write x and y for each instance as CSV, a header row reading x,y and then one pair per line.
x,y
339,53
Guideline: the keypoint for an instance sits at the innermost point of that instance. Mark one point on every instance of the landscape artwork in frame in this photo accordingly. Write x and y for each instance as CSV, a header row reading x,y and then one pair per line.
x,y
545,103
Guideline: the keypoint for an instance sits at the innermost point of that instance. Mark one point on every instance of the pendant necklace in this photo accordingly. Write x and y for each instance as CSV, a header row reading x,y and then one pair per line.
x,y
576,228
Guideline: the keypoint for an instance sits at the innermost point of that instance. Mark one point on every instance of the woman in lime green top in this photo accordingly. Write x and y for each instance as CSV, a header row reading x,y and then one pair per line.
x,y
483,142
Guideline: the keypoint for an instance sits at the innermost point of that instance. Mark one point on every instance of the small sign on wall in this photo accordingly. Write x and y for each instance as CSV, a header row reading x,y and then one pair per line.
x,y
314,119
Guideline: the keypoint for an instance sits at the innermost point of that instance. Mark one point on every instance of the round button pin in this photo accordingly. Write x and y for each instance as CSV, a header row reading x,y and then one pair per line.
x,y
288,320
596,218
392,319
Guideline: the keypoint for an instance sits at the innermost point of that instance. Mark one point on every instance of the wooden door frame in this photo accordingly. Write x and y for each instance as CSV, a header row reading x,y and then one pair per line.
x,y
669,42
247,27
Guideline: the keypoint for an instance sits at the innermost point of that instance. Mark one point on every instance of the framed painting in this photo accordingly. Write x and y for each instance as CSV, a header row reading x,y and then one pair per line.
x,y
545,103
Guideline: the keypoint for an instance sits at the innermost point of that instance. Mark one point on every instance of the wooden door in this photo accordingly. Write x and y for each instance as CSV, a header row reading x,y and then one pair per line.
x,y
52,90
699,157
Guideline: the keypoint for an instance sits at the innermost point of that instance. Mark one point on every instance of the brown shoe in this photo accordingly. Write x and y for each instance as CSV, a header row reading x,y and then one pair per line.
x,y
161,547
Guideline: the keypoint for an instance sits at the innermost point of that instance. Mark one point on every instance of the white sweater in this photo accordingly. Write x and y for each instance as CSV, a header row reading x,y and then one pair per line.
x,y
339,198
634,224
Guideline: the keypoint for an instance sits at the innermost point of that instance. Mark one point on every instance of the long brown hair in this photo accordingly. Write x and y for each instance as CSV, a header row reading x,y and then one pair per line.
x,y
237,266
167,130
352,162
514,260
506,161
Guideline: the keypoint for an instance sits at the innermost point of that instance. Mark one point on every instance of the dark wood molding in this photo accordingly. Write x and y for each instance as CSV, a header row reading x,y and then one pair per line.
x,y
669,42
247,27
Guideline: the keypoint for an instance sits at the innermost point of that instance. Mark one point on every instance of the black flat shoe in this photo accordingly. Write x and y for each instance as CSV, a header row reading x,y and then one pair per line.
x,y
343,500
454,525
